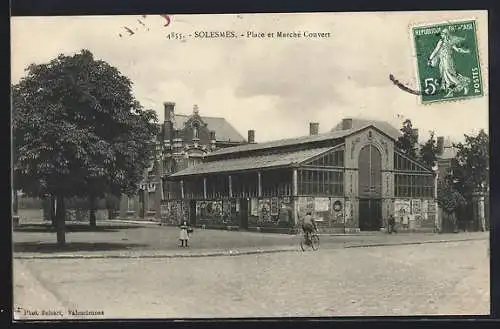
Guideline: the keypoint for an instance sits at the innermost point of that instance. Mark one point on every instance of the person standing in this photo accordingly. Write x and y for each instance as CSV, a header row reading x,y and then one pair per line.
x,y
183,234
392,225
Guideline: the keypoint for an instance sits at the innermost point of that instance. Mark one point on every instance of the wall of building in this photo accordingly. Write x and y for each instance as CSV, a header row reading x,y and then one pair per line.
x,y
420,213
353,146
329,212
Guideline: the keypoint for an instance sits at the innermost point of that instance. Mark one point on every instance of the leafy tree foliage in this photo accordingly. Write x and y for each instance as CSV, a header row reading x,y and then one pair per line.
x,y
78,131
449,199
470,168
408,141
429,150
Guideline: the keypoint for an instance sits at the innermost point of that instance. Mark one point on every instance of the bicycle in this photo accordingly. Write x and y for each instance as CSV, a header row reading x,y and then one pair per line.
x,y
313,242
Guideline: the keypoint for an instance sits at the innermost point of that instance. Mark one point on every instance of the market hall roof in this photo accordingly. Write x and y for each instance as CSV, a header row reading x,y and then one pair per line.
x,y
386,127
334,134
278,160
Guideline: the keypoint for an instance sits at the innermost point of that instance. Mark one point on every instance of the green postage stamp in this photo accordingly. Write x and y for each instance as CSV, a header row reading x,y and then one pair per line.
x,y
447,58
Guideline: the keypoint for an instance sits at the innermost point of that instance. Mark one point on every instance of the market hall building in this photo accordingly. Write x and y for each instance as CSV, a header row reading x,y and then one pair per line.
x,y
351,178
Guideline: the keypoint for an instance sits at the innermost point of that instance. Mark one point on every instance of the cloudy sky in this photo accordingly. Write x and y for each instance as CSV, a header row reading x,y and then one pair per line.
x,y
275,86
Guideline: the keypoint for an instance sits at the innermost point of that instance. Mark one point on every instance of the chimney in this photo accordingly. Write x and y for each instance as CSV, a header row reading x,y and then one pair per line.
x,y
251,136
346,124
313,128
169,111
440,145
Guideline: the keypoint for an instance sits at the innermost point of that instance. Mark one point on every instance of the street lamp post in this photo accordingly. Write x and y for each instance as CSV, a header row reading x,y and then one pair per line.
x,y
437,223
158,174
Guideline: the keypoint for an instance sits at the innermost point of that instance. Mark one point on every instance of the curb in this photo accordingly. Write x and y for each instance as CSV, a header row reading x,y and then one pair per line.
x,y
139,222
410,243
131,256
227,253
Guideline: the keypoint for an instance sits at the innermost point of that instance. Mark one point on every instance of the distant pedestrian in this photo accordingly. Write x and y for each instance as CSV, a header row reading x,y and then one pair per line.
x,y
405,219
184,233
392,225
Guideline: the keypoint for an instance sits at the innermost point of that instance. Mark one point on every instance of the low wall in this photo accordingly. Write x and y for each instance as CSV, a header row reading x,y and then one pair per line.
x,y
71,215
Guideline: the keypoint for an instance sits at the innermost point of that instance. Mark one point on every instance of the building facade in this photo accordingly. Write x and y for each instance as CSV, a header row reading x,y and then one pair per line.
x,y
183,141
351,178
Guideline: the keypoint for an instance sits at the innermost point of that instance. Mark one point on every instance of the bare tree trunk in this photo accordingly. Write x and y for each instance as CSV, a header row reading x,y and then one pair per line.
x,y
60,221
93,205
454,221
52,210
16,203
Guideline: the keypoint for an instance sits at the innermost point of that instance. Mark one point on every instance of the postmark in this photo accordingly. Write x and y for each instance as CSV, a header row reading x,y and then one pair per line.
x,y
447,61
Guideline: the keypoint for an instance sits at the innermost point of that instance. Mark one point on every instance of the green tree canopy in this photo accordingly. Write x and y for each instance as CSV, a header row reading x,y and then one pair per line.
x,y
470,167
78,129
449,199
408,141
429,150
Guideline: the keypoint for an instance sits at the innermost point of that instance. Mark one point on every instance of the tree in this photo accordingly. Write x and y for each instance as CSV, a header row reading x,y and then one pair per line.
x,y
429,150
470,167
78,131
407,142
449,199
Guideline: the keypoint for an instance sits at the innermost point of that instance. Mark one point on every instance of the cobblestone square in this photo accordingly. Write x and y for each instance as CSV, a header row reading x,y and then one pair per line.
x,y
426,279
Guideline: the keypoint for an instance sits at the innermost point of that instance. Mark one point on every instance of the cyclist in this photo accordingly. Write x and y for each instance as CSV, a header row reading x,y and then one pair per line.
x,y
308,226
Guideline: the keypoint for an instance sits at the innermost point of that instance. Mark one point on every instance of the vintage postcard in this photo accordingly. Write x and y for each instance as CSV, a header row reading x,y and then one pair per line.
x,y
250,165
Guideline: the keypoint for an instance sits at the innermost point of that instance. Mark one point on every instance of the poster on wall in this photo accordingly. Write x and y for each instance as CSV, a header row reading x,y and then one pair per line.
x,y
164,211
402,207
321,204
274,207
265,210
301,206
309,204
337,211
254,207
425,206
226,207
431,209
348,210
285,213
217,207
416,207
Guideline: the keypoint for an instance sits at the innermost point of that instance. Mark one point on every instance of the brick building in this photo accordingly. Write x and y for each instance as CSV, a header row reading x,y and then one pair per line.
x,y
351,178
183,141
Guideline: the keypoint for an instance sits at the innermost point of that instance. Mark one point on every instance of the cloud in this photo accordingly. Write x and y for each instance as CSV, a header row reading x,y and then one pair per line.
x,y
275,86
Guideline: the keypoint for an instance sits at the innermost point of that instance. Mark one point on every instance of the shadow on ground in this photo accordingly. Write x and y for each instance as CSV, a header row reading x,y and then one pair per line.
x,y
41,228
36,247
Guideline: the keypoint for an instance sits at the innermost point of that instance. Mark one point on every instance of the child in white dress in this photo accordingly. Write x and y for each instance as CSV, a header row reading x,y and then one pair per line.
x,y
183,234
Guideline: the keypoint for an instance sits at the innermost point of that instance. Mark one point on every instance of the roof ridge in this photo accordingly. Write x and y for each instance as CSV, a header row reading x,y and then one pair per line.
x,y
202,116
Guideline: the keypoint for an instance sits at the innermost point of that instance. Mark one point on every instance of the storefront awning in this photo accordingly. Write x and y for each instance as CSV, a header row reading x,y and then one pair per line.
x,y
278,160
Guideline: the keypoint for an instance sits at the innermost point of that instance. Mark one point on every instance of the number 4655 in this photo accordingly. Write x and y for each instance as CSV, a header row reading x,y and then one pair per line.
x,y
430,86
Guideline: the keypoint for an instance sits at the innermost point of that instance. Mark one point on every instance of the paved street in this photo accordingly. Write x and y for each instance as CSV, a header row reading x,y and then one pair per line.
x,y
423,279
118,238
